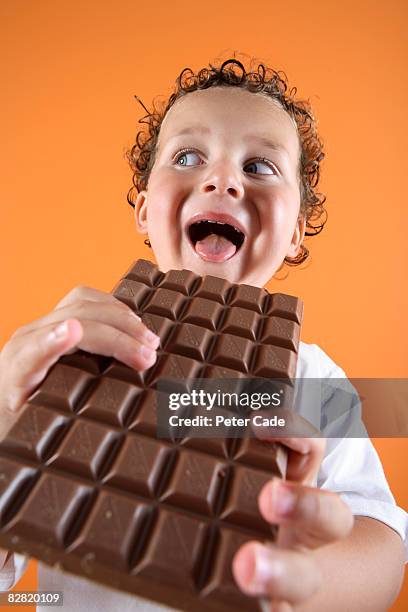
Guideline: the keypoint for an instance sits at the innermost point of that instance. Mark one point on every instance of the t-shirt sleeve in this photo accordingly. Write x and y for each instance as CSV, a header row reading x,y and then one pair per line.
x,y
351,466
12,571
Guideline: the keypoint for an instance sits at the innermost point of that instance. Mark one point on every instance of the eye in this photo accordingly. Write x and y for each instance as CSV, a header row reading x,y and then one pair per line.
x,y
262,162
181,158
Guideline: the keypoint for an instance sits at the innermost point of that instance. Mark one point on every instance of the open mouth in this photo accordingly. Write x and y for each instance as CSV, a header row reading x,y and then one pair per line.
x,y
215,241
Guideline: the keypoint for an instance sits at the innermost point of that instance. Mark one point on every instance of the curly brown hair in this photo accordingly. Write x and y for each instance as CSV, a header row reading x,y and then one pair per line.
x,y
260,79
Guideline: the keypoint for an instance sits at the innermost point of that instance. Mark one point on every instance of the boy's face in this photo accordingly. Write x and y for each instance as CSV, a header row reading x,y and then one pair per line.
x,y
222,174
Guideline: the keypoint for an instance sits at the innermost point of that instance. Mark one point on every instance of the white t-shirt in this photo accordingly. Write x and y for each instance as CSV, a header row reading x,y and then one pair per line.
x,y
351,467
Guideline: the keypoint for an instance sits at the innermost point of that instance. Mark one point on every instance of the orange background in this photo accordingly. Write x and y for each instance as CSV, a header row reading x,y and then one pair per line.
x,y
69,71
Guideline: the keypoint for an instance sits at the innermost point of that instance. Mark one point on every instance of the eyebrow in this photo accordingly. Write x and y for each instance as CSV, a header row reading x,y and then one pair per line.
x,y
262,140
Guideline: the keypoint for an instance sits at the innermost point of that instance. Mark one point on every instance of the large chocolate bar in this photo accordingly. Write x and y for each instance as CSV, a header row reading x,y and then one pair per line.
x,y
86,485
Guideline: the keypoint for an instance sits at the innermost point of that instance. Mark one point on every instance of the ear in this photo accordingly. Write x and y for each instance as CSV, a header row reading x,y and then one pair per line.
x,y
297,237
141,212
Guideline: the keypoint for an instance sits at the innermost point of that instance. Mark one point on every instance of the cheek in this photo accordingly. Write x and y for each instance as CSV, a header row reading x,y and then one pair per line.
x,y
165,193
285,218
278,219
280,211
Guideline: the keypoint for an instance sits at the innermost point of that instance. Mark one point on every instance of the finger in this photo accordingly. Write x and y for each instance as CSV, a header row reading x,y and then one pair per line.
x,y
116,314
79,293
42,348
308,452
304,459
313,517
266,571
34,354
82,292
106,340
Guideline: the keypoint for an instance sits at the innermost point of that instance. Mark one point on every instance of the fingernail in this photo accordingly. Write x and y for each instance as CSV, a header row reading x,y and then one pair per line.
x,y
152,338
59,332
284,499
147,353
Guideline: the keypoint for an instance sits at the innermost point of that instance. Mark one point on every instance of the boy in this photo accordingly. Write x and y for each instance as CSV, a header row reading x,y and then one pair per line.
x,y
225,186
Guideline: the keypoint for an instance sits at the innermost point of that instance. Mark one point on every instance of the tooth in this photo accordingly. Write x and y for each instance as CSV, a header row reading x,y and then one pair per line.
x,y
219,223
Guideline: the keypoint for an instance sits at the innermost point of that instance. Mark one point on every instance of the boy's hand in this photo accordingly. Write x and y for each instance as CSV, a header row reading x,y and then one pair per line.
x,y
286,573
85,319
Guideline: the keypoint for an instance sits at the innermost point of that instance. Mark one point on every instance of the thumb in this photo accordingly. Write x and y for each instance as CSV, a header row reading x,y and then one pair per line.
x,y
36,354
308,517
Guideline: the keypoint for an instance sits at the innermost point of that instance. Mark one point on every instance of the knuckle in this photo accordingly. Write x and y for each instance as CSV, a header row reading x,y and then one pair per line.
x,y
123,310
79,291
132,325
133,316
81,305
13,402
121,313
82,288
6,350
18,363
118,341
72,296
122,306
18,332
10,351
316,506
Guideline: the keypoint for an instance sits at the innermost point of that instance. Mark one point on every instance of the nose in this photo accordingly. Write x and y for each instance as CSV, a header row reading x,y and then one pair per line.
x,y
223,178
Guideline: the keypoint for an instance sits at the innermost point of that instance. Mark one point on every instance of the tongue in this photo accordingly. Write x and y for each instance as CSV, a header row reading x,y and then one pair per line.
x,y
215,248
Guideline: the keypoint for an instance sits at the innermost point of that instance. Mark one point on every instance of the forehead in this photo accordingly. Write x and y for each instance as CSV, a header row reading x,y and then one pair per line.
x,y
234,110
